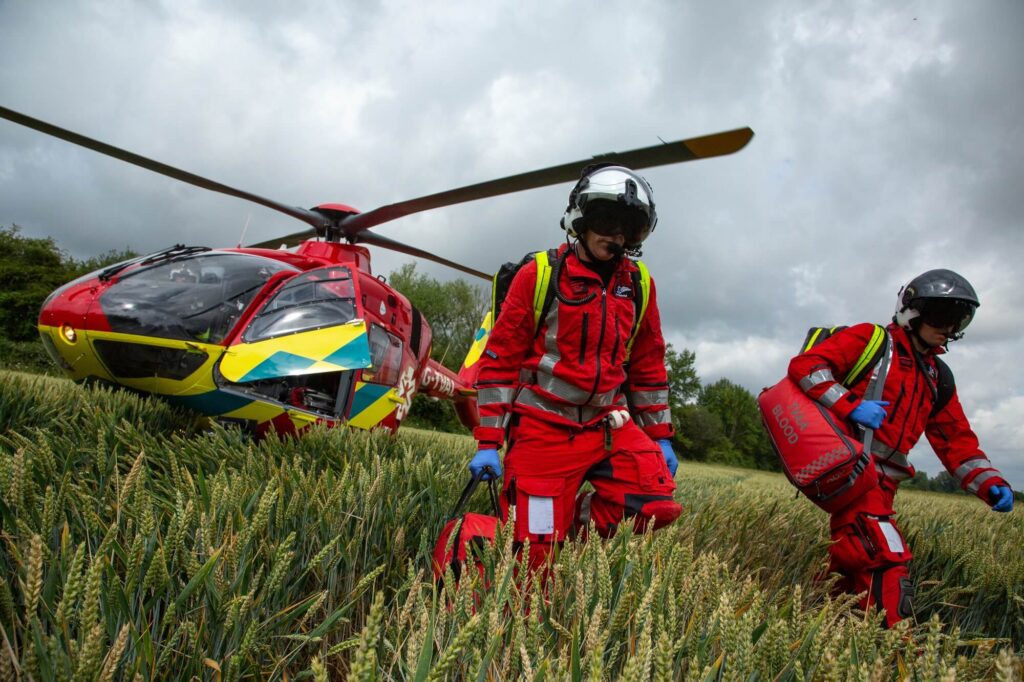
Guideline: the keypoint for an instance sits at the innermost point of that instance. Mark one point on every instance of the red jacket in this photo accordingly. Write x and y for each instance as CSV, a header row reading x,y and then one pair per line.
x,y
909,411
572,370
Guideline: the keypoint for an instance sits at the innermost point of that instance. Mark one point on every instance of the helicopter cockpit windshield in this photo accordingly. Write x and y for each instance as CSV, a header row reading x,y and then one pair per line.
x,y
194,298
298,349
314,300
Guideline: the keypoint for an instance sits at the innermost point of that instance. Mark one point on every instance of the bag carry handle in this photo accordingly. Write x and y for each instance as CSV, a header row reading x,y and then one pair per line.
x,y
471,487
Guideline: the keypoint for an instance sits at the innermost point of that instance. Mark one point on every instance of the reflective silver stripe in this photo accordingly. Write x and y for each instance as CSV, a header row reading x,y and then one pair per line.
x,y
551,355
653,418
890,456
648,398
491,396
967,467
581,415
574,394
892,472
495,422
817,377
975,485
832,395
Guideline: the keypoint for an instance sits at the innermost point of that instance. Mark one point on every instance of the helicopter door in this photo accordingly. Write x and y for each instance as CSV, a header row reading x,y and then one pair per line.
x,y
301,346
382,397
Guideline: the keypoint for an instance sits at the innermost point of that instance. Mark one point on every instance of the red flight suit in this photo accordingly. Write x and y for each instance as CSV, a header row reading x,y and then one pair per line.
x,y
868,550
555,390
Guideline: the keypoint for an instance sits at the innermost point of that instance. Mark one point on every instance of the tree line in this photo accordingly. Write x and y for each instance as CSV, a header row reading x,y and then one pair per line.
x,y
31,268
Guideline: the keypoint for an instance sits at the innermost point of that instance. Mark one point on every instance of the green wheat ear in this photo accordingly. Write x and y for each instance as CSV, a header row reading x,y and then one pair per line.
x,y
135,544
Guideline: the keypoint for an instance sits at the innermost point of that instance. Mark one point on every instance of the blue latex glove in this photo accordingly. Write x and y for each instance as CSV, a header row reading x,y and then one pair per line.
x,y
670,455
487,457
1001,497
870,413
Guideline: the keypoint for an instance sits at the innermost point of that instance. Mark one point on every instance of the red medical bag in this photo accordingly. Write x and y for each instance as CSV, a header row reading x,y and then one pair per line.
x,y
820,455
470,530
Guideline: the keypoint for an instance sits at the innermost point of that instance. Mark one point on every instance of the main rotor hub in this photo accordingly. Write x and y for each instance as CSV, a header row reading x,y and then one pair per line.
x,y
335,215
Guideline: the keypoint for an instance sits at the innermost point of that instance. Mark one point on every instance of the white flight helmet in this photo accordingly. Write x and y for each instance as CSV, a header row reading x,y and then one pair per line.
x,y
615,186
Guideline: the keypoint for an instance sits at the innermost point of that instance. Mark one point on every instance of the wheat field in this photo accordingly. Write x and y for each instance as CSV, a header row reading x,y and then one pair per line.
x,y
139,543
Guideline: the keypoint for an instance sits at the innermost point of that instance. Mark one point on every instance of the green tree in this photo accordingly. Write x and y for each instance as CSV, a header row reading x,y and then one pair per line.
x,y
452,309
737,409
698,432
683,382
29,270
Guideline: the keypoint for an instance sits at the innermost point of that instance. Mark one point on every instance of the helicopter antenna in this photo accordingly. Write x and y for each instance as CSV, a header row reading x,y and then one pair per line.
x,y
241,237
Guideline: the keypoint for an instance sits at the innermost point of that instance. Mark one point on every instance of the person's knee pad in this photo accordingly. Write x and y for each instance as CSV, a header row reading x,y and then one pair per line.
x,y
662,510
893,590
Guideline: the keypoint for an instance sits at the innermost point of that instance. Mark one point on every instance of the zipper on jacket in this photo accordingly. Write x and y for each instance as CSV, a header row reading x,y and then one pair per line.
x,y
896,405
615,348
583,337
600,342
913,393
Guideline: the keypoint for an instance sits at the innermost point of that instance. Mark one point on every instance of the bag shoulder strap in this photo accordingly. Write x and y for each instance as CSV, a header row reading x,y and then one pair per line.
x,y
945,386
543,294
869,357
641,297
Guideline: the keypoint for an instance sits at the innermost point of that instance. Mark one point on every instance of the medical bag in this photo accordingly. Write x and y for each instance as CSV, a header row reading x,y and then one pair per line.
x,y
824,457
819,454
466,534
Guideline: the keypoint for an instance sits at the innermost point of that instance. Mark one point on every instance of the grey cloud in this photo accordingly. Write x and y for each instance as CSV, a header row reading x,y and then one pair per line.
x,y
886,145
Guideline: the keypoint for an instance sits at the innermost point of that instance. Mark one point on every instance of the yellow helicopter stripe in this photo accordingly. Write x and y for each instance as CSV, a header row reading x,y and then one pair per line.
x,y
85,362
376,411
331,349
479,342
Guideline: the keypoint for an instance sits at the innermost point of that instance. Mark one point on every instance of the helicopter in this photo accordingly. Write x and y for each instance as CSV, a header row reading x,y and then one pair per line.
x,y
286,333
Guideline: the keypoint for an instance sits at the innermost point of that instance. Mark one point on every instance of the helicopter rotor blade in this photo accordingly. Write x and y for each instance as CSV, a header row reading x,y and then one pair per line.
x,y
367,237
319,222
707,146
287,241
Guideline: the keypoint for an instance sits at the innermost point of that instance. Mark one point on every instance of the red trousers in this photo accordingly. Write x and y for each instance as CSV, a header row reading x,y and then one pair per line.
x,y
546,464
870,554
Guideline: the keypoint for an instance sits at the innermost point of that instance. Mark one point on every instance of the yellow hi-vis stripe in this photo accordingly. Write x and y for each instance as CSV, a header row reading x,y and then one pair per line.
x,y
869,351
540,288
645,297
814,339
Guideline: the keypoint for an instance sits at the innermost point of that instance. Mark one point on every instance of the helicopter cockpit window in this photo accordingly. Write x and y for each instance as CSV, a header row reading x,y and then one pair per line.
x,y
386,356
194,298
314,300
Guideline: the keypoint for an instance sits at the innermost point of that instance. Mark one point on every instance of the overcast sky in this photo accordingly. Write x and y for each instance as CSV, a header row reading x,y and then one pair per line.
x,y
888,142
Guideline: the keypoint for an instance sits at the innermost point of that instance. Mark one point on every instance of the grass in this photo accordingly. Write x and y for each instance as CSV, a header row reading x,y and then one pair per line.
x,y
138,543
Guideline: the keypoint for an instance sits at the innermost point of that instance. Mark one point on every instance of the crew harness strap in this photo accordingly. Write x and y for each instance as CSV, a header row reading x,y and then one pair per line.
x,y
544,293
941,389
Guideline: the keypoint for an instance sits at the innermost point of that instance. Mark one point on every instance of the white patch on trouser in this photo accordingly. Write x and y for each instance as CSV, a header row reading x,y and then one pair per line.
x,y
541,513
892,537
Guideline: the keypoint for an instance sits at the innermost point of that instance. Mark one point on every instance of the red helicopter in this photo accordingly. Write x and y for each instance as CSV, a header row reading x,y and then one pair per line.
x,y
273,339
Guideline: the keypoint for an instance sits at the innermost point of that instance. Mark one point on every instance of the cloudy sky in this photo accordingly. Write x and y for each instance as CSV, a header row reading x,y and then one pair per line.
x,y
889,141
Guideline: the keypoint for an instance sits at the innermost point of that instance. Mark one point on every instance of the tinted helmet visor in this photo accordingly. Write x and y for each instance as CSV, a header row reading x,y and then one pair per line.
x,y
608,219
945,313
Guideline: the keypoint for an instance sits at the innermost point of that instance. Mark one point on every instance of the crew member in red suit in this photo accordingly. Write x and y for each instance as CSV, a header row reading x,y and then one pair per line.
x,y
573,402
868,550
